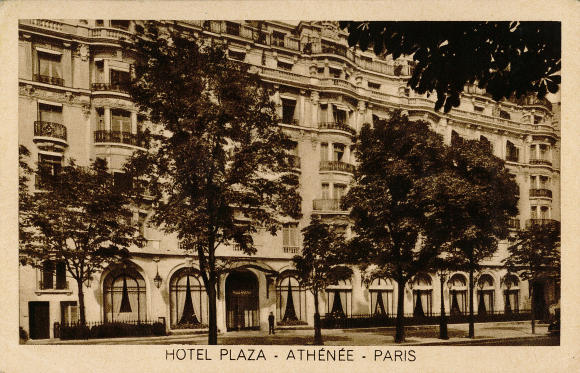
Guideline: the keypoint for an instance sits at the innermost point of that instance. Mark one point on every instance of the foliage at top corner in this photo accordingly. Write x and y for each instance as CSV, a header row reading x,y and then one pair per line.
x,y
507,59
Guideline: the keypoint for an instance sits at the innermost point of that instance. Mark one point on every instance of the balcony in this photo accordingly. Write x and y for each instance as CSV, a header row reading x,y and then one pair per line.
x,y
327,205
47,79
514,223
49,130
336,166
119,137
113,87
51,285
536,222
540,161
337,126
544,193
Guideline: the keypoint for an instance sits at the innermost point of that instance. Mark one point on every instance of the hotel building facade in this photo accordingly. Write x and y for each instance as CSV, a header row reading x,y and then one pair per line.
x,y
73,104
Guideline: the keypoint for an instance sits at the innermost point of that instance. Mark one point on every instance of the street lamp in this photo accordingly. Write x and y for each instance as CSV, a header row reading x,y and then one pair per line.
x,y
157,280
443,318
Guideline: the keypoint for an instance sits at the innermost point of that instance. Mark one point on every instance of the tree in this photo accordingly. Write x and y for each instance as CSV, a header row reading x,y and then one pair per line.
x,y
25,198
468,207
536,255
507,59
218,167
319,264
79,218
393,159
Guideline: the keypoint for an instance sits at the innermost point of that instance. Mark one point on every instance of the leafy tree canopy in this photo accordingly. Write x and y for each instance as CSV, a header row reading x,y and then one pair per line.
x,y
507,59
536,251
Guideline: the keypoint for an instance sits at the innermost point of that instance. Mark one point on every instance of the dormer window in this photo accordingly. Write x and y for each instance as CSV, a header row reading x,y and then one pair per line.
x,y
120,24
285,66
374,86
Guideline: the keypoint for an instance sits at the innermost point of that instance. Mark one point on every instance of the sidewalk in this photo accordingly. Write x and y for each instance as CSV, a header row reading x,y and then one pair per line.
x,y
485,333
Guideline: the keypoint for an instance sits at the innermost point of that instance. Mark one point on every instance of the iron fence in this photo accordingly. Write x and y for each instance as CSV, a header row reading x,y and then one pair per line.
x,y
100,329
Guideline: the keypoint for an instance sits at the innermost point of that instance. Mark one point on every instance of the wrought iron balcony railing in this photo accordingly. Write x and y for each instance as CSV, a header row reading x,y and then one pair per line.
x,y
337,126
48,79
53,285
120,137
114,87
336,166
291,249
540,161
49,129
541,193
514,223
327,205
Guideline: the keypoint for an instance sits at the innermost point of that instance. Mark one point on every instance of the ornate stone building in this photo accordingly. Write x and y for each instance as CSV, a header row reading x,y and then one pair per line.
x,y
73,104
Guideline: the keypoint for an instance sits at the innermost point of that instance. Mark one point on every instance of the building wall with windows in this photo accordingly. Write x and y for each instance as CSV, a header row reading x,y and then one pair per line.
x,y
73,104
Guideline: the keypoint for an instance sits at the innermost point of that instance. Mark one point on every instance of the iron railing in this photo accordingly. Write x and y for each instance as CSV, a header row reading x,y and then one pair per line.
x,y
336,166
535,222
378,320
53,285
291,249
540,161
48,79
327,205
541,193
337,126
120,137
49,129
101,329
114,87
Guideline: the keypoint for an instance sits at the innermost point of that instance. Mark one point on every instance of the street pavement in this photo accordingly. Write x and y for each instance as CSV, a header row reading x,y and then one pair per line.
x,y
500,333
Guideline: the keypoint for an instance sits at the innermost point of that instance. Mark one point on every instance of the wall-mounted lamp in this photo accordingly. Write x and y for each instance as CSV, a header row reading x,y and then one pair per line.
x,y
157,279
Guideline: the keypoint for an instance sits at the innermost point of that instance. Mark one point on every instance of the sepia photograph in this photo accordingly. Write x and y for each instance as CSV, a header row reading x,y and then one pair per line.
x,y
299,183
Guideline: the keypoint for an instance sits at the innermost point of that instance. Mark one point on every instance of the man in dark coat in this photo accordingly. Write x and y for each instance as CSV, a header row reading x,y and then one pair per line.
x,y
271,323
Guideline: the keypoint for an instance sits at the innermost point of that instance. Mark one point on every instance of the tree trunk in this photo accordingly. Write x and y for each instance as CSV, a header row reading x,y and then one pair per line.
x,y
443,321
532,304
212,311
400,324
317,327
471,318
81,294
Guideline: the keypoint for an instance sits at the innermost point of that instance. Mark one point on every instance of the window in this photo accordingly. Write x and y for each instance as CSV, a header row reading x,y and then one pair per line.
x,y
512,152
510,284
120,79
478,109
120,126
320,70
49,68
239,56
458,294
455,138
337,152
124,296
323,152
339,191
142,222
278,38
325,191
486,142
544,212
288,109
49,166
99,23
485,295
68,313
188,300
53,275
335,73
101,119
534,212
290,235
374,86
339,299
537,119
290,301
232,28
340,116
406,91
120,24
381,292
422,295
284,66
504,114
49,113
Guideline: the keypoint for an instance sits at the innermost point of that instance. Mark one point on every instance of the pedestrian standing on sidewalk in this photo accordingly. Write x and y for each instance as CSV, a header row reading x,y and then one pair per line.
x,y
271,323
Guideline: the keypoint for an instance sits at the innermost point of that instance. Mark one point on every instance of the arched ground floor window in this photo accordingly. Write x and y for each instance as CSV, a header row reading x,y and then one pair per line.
x,y
457,294
485,294
422,295
188,299
290,301
381,291
511,292
124,296
339,299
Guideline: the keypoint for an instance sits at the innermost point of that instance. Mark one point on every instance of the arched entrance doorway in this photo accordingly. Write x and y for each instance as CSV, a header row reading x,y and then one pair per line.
x,y
242,301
